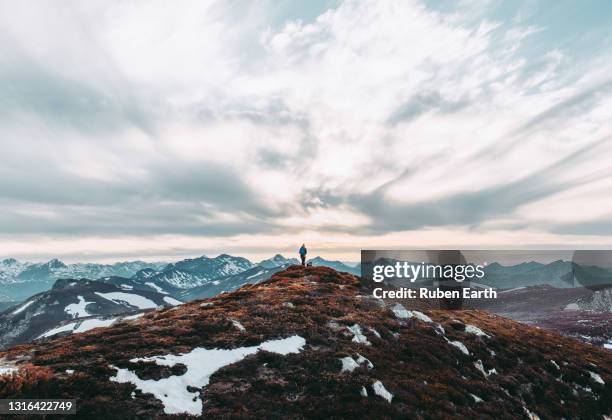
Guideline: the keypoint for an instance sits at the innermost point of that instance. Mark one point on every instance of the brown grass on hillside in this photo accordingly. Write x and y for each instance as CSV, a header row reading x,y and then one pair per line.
x,y
429,377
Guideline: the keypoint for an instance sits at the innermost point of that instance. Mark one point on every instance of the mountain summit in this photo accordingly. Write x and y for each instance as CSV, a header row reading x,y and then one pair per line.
x,y
308,344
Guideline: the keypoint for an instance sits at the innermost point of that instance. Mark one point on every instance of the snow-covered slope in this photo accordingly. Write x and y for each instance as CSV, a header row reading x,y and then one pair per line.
x,y
147,283
67,304
253,275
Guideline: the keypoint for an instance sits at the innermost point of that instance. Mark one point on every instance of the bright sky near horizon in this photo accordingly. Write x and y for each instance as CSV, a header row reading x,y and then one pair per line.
x,y
159,130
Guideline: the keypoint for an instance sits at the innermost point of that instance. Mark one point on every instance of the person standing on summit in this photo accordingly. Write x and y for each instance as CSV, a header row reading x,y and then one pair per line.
x,y
303,253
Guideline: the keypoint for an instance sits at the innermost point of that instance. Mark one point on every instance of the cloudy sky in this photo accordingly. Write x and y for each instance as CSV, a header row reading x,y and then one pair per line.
x,y
158,129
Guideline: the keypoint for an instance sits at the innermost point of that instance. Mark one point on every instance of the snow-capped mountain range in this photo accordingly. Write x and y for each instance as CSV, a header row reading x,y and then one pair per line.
x,y
193,277
196,272
20,280
13,271
205,277
253,275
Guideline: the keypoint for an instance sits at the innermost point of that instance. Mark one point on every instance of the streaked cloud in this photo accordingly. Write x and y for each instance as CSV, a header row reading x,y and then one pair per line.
x,y
247,126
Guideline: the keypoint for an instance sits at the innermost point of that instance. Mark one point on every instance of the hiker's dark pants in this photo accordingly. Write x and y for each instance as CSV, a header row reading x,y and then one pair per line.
x,y
303,257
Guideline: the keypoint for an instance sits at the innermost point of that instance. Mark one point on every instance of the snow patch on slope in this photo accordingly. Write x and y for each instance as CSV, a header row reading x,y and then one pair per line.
x,y
349,364
358,336
201,364
459,345
90,324
472,329
403,313
131,299
7,370
78,310
79,326
478,365
172,301
22,308
238,325
132,317
156,287
596,378
380,390
6,367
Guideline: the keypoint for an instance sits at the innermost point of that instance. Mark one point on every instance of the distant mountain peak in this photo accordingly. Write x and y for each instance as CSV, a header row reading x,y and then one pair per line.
x,y
277,260
55,263
227,257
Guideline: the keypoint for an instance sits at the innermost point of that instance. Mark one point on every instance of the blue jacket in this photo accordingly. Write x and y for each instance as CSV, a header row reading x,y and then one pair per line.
x,y
303,250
